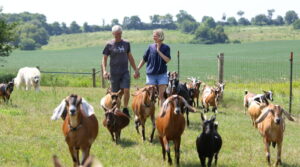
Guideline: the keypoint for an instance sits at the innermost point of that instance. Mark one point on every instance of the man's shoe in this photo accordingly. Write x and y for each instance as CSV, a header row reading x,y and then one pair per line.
x,y
126,111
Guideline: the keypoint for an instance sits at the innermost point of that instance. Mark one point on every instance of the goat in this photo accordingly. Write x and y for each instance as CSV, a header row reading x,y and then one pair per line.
x,y
271,126
80,126
6,90
221,87
170,124
254,110
260,98
209,142
115,120
28,76
210,98
177,88
143,106
88,163
195,85
110,100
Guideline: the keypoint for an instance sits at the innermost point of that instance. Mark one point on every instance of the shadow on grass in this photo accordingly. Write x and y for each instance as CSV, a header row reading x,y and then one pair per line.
x,y
126,142
289,165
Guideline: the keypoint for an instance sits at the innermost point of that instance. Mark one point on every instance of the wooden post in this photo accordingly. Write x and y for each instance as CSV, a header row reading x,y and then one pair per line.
x,y
102,77
291,82
94,77
178,63
221,67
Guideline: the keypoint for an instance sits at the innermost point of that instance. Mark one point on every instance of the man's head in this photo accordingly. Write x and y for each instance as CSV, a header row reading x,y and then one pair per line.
x,y
158,35
117,32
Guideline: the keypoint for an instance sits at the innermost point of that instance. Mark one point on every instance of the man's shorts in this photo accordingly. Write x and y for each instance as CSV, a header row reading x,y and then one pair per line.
x,y
119,81
157,79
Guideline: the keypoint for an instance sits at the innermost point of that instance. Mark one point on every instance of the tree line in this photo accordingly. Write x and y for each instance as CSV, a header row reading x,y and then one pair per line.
x,y
32,30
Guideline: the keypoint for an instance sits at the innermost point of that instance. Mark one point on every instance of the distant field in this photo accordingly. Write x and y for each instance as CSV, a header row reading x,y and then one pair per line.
x,y
262,33
254,61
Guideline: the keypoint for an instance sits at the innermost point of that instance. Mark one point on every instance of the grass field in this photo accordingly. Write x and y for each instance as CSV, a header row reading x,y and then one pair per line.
x,y
29,138
256,61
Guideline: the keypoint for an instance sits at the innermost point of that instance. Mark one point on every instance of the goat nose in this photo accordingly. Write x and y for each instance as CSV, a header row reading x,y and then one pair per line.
x,y
277,121
72,111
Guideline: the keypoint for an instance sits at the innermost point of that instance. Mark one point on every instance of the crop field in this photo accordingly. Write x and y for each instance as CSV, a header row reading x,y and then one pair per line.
x,y
255,62
29,138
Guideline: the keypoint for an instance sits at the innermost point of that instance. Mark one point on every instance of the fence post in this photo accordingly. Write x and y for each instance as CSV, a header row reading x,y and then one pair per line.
x,y
94,77
178,63
102,78
291,82
221,67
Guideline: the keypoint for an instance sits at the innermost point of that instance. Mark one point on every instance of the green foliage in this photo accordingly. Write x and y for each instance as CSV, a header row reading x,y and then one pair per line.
x,y
231,21
260,20
188,26
296,24
206,35
28,44
7,37
278,21
290,17
75,28
243,21
183,15
5,78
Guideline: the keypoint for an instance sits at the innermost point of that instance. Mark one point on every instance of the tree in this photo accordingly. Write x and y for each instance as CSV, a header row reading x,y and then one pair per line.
x,y
278,21
155,19
86,27
55,29
183,15
270,13
188,26
260,20
207,35
231,21
134,23
64,28
240,13
7,37
209,21
296,24
243,21
75,28
126,22
290,17
115,22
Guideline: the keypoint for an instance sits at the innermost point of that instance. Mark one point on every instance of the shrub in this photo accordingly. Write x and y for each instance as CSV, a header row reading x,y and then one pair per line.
x,y
296,24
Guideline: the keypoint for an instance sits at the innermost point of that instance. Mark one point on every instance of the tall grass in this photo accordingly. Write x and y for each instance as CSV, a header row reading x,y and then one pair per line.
x,y
29,138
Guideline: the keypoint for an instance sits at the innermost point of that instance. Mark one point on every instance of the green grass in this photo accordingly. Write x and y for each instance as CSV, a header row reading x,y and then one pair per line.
x,y
261,33
29,138
255,61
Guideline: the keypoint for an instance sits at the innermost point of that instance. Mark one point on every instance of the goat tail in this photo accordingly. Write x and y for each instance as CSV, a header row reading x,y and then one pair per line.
x,y
246,92
273,144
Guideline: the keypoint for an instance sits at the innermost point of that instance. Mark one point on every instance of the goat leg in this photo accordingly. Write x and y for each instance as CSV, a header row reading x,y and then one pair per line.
x,y
177,149
216,158
143,132
153,128
167,148
163,148
202,160
278,162
267,150
209,161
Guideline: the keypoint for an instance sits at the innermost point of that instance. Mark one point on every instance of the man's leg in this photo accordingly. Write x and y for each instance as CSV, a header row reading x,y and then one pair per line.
x,y
161,90
125,85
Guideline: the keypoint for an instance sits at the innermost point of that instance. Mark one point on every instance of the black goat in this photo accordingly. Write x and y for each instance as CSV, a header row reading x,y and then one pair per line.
x,y
6,90
177,88
209,142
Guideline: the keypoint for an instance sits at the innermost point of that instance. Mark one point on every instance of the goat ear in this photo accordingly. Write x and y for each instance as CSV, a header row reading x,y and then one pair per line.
x,y
192,109
58,111
87,108
213,118
288,115
262,116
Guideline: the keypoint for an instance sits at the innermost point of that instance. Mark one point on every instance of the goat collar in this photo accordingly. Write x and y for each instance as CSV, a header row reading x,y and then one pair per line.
x,y
75,128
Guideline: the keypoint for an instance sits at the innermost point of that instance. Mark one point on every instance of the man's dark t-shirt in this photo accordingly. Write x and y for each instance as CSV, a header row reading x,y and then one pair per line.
x,y
118,52
155,64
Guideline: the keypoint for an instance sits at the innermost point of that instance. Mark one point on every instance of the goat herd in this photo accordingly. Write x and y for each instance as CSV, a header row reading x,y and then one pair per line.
x,y
80,126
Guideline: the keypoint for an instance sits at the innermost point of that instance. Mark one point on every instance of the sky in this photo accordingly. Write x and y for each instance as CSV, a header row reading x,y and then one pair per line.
x,y
95,11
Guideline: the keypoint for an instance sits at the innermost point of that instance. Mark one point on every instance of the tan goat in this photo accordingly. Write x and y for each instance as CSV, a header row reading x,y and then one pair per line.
x,y
271,126
254,110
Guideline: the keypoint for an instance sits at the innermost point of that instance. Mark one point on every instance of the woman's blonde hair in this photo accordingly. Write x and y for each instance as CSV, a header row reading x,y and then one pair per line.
x,y
160,33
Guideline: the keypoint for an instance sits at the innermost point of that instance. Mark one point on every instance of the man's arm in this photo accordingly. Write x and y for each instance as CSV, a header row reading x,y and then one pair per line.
x,y
132,63
104,62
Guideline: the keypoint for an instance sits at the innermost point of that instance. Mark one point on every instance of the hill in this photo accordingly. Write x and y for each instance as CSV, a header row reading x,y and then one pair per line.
x,y
241,33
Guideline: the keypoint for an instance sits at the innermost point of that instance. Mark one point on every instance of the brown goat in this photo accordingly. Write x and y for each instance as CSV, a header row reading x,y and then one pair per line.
x,y
210,98
110,100
195,84
143,106
90,162
115,120
6,90
249,97
271,126
80,126
170,124
254,110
